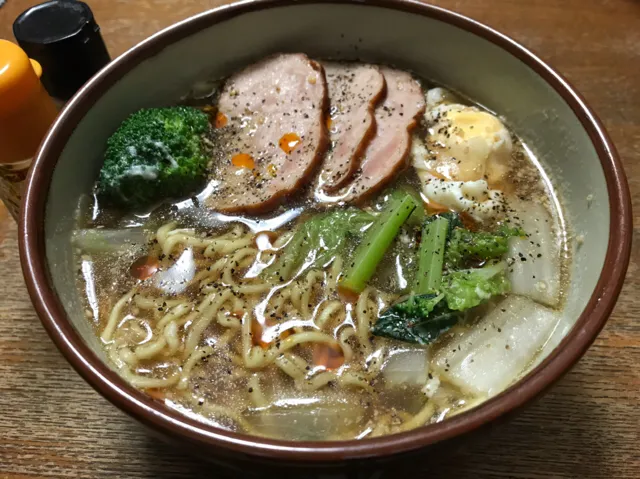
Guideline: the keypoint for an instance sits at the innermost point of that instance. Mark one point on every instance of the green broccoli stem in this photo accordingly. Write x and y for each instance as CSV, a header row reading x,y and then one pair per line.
x,y
375,243
431,256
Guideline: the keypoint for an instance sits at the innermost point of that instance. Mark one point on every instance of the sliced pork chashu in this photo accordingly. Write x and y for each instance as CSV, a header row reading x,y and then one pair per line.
x,y
271,133
387,152
354,91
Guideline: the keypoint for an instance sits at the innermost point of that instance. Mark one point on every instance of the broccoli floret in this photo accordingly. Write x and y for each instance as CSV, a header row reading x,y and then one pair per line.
x,y
419,305
464,245
155,154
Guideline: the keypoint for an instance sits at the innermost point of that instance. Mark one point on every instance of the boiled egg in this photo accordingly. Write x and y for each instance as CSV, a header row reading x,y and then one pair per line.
x,y
440,96
463,161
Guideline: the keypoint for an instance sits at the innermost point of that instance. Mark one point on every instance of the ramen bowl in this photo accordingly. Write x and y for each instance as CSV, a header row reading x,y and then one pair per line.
x,y
498,73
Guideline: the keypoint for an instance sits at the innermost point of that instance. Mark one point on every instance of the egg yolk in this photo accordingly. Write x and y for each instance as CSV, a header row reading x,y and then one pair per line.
x,y
469,145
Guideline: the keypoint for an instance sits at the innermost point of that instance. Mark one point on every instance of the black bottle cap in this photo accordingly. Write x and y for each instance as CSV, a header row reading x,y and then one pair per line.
x,y
64,38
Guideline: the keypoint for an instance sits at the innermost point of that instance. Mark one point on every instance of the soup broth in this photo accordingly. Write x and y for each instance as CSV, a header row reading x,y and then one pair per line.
x,y
318,315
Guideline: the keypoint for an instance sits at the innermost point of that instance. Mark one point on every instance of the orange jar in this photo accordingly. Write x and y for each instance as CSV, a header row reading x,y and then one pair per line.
x,y
26,112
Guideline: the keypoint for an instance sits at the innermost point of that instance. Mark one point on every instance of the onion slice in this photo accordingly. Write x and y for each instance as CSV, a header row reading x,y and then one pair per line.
x,y
492,354
535,262
311,419
408,366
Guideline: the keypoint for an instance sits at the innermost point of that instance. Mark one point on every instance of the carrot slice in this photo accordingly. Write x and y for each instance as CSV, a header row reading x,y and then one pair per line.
x,y
258,333
221,120
144,267
329,356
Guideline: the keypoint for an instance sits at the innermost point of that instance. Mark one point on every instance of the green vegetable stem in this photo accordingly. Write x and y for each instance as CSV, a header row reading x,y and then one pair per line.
x,y
431,256
424,315
375,243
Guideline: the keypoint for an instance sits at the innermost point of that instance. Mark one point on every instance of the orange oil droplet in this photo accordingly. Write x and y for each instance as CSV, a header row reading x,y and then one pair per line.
x,y
221,120
468,221
289,142
243,160
256,334
434,208
329,123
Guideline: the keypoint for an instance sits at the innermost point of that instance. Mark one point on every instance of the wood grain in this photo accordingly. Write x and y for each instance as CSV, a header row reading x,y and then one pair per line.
x,y
52,424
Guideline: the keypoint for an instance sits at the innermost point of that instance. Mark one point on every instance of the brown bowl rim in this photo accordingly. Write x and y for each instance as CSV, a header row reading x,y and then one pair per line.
x,y
159,417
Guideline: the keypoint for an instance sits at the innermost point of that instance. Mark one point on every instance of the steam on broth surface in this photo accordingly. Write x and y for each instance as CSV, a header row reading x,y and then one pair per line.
x,y
297,257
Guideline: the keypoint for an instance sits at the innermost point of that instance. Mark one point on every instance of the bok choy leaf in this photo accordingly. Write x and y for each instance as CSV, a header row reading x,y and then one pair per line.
x,y
468,288
317,241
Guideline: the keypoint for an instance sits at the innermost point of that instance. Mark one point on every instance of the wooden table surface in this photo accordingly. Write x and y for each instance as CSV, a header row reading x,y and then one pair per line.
x,y
52,424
